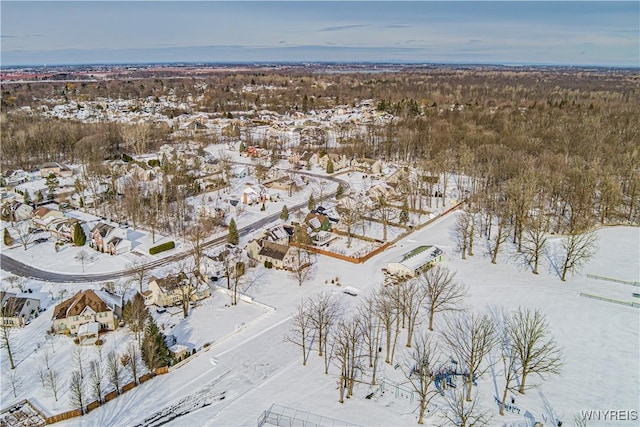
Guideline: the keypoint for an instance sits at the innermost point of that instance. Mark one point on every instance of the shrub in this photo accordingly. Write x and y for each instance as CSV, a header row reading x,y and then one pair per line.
x,y
162,247
268,264
154,163
99,342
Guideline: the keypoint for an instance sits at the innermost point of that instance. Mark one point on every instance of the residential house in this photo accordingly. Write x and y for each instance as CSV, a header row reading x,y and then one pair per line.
x,y
16,177
416,261
17,310
16,210
367,165
339,161
170,290
280,234
57,169
110,239
63,228
99,236
280,256
44,216
85,307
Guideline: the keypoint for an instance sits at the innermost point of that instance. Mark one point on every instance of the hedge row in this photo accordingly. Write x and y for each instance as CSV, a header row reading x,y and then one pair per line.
x,y
161,248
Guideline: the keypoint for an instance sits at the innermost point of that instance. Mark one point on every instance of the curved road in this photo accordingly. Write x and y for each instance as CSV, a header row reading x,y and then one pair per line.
x,y
20,269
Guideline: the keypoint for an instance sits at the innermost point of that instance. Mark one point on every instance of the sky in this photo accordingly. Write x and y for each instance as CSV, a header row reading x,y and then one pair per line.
x,y
501,32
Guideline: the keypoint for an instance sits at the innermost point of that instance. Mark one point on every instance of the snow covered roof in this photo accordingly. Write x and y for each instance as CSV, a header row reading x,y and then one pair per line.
x,y
420,256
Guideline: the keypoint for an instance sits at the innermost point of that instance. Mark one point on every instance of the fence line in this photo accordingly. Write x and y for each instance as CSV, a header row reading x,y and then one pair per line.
x,y
614,301
611,279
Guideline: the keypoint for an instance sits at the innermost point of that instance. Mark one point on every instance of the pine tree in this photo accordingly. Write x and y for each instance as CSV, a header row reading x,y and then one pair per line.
x,y
39,196
79,238
233,237
404,213
27,197
339,191
8,240
243,147
284,215
51,183
311,204
329,167
155,352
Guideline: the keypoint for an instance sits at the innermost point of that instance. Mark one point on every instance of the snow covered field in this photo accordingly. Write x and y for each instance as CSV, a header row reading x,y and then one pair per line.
x,y
248,366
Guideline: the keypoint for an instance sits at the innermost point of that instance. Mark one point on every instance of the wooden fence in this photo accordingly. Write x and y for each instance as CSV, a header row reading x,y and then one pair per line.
x,y
64,416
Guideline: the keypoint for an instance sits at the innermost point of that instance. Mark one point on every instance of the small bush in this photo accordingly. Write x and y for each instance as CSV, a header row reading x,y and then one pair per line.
x,y
154,163
161,248
268,264
99,342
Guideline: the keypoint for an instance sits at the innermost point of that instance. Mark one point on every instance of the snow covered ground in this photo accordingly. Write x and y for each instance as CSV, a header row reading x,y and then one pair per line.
x,y
249,366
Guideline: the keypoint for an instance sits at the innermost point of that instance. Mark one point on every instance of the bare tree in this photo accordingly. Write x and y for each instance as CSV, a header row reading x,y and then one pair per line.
x,y
419,368
53,383
346,342
23,231
471,338
83,256
77,391
138,270
387,314
508,355
371,334
442,292
300,332
536,352
42,374
534,238
114,371
301,269
95,379
133,351
385,213
578,248
463,232
502,230
7,310
325,310
413,296
135,314
16,382
350,211
465,412
77,358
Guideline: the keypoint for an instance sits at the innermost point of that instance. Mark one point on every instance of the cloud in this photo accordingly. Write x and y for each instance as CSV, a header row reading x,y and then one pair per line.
x,y
342,27
397,26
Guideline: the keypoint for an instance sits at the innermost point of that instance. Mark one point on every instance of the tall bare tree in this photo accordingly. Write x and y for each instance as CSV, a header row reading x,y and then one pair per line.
x,y
471,337
77,391
534,238
536,351
7,310
465,412
114,370
133,351
442,292
419,368
578,248
301,329
23,231
95,379
385,212
371,333
346,350
325,310
53,383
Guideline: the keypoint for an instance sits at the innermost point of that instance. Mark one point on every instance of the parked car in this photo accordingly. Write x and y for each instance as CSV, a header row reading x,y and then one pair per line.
x,y
161,310
41,240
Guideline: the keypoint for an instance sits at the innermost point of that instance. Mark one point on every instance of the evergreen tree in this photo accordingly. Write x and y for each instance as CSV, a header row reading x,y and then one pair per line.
x,y
311,204
26,199
233,237
404,213
8,240
155,352
243,147
39,196
79,238
329,167
339,191
284,215
51,183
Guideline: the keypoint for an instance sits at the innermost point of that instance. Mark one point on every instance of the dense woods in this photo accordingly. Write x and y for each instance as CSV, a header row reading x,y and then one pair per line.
x,y
562,144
